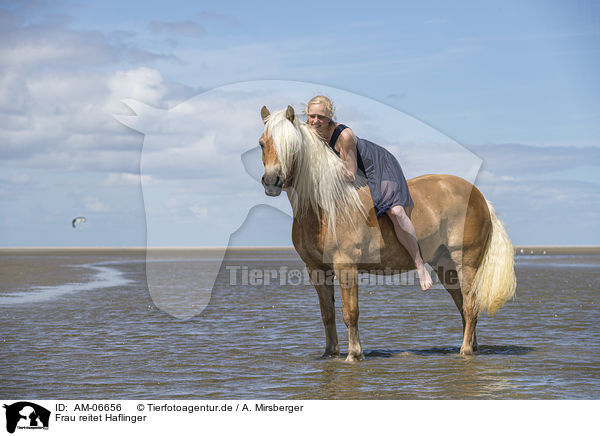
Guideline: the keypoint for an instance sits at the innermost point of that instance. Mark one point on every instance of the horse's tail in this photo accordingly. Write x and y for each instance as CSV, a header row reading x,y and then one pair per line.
x,y
495,282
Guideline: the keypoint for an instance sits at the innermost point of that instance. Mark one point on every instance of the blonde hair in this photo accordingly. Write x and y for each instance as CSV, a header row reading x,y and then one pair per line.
x,y
319,183
325,101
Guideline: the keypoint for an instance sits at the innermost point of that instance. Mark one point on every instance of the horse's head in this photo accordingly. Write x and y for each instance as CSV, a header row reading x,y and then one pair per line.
x,y
277,172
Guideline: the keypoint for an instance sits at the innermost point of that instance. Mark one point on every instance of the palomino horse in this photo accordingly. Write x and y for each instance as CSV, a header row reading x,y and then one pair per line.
x,y
335,228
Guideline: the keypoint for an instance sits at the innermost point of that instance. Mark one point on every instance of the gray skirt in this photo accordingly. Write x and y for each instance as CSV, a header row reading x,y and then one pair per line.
x,y
384,176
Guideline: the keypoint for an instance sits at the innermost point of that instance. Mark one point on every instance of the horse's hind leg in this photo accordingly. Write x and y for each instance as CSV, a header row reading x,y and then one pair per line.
x,y
469,344
470,338
470,314
324,286
447,272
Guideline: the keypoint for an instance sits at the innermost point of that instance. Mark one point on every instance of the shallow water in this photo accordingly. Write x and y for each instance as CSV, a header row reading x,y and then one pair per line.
x,y
81,324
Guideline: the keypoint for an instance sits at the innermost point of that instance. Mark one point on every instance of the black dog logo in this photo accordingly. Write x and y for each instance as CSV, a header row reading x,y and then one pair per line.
x,y
30,413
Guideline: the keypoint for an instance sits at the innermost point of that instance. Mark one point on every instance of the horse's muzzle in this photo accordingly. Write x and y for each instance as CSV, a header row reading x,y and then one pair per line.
x,y
273,183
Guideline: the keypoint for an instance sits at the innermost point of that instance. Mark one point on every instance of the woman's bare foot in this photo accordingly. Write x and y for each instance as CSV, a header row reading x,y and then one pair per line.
x,y
424,278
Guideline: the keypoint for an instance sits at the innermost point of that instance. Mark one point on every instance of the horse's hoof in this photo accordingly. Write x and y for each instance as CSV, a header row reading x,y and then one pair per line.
x,y
330,355
466,352
355,358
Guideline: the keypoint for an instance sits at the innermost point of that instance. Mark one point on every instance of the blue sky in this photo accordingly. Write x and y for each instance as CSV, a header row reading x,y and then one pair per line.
x,y
514,83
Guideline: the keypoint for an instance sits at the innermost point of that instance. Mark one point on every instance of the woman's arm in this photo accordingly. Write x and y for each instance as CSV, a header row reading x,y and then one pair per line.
x,y
346,145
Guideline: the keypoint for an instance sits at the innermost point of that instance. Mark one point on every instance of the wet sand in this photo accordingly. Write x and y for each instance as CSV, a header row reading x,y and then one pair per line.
x,y
25,268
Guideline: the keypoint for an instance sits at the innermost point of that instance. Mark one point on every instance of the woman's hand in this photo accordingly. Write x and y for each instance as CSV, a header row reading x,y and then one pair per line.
x,y
349,176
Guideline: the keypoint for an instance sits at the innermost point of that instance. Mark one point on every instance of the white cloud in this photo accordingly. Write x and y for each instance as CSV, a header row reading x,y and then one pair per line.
x,y
59,87
64,121
171,203
93,204
50,42
199,211
19,178
124,179
144,84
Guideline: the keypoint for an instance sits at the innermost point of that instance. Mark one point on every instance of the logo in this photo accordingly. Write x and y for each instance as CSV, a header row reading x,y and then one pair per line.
x,y
26,415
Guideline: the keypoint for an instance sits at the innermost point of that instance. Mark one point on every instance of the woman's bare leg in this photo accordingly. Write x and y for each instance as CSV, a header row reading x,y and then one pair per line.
x,y
405,231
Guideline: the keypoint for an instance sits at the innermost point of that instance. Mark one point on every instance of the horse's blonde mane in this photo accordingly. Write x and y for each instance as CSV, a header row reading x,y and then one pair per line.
x,y
318,183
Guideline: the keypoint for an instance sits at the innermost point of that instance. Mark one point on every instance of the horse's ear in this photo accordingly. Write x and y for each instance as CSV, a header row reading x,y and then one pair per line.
x,y
264,113
289,114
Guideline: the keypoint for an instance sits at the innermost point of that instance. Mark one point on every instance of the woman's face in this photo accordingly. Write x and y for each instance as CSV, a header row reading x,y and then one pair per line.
x,y
318,120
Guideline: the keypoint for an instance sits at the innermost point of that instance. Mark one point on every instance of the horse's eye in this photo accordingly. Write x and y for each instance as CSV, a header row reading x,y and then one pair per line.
x,y
262,144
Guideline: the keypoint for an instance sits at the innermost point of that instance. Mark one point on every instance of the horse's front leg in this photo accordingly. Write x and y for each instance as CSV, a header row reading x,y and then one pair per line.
x,y
324,286
348,279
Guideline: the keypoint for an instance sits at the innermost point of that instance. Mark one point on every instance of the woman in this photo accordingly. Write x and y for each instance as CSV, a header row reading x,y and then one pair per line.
x,y
384,175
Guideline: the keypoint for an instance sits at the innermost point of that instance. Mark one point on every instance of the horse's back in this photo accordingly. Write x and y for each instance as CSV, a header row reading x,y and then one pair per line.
x,y
446,196
449,211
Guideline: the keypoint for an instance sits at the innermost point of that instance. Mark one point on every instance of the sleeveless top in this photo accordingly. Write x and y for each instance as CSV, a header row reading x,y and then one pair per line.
x,y
383,173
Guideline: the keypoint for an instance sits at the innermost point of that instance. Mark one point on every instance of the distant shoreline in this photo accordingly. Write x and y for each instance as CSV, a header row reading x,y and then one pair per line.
x,y
520,249
557,249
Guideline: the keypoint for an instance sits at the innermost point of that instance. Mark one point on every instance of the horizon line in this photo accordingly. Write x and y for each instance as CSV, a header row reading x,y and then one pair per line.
x,y
243,247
